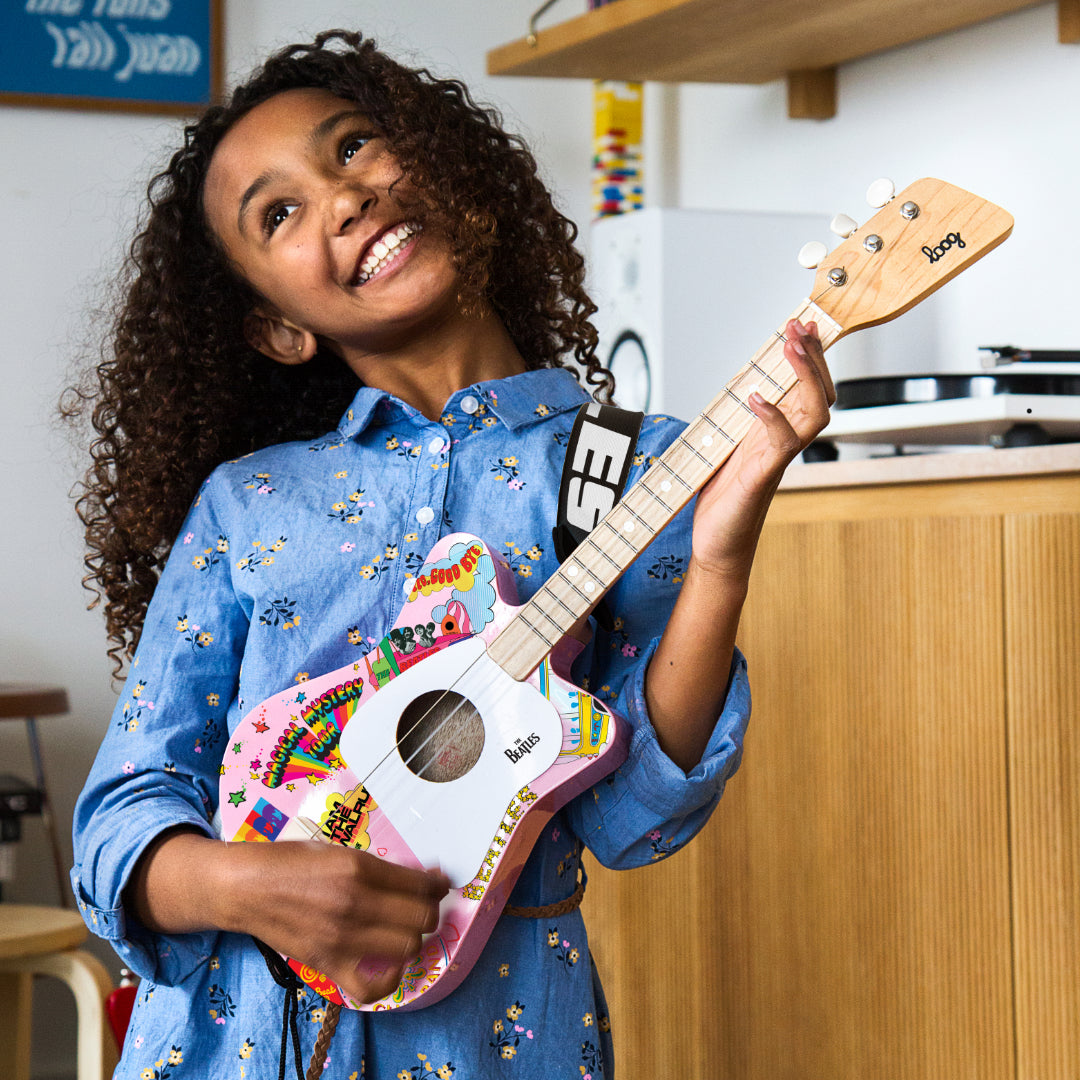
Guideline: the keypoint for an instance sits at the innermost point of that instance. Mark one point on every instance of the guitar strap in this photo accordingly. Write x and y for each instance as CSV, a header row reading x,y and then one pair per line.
x,y
598,459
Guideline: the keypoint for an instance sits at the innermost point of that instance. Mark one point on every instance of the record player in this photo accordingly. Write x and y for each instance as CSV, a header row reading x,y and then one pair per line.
x,y
1021,397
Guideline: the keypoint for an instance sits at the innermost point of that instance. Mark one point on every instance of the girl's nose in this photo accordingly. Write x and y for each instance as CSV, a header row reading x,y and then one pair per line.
x,y
349,205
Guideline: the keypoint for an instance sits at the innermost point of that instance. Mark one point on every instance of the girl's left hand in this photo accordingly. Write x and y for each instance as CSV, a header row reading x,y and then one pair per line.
x,y
731,508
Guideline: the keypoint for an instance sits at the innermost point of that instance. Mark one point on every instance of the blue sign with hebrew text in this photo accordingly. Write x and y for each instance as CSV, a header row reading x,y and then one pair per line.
x,y
155,51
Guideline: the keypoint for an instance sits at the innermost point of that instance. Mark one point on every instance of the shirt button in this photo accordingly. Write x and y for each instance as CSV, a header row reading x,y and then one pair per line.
x,y
437,445
425,515
469,404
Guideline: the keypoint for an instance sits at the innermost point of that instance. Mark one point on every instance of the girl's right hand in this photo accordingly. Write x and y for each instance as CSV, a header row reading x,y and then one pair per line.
x,y
354,917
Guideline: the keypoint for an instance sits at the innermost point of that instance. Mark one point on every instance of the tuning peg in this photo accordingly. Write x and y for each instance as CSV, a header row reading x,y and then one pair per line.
x,y
880,192
843,225
811,253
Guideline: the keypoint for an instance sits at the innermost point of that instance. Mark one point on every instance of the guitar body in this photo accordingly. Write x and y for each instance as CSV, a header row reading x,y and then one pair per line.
x,y
427,753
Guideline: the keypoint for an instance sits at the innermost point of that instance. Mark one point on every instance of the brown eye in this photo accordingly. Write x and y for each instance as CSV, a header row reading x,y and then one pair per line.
x,y
276,215
351,145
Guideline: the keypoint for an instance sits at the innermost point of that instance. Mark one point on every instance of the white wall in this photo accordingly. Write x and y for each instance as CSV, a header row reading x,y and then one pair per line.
x,y
991,108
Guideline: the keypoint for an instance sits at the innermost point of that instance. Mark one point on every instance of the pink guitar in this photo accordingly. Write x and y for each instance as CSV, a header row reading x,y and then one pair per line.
x,y
457,737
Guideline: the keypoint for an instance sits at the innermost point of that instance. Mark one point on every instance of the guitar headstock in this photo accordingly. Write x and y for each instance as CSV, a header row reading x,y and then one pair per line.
x,y
914,244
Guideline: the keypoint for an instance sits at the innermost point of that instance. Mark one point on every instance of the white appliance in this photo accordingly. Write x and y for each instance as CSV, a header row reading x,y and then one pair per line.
x,y
686,297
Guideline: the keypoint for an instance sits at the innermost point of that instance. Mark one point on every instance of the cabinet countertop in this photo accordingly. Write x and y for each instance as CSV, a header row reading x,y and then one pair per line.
x,y
927,468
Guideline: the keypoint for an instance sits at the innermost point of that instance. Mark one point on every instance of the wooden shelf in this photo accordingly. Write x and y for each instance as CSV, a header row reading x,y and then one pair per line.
x,y
742,41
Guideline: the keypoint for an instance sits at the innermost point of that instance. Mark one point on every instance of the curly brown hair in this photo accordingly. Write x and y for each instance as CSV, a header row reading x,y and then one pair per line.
x,y
180,390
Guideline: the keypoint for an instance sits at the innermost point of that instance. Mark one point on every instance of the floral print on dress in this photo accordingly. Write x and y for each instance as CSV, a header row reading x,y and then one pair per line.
x,y
404,448
379,564
668,568
162,1069
193,634
620,640
662,848
507,1035
351,506
260,482
132,710
519,560
211,556
506,469
221,1004
260,555
280,612
566,954
425,1068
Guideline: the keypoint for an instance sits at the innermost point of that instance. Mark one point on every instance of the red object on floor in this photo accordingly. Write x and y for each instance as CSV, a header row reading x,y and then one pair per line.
x,y
118,1006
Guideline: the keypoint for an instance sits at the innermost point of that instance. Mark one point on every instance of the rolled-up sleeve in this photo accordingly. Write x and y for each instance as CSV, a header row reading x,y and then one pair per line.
x,y
649,808
158,763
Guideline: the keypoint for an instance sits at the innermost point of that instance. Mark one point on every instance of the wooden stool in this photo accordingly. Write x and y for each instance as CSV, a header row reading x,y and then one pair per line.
x,y
22,701
45,941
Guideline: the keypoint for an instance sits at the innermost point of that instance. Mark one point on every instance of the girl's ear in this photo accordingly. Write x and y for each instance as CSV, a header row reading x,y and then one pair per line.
x,y
278,338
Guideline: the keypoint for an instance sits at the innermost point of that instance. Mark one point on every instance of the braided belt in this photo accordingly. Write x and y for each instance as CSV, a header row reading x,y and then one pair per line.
x,y
549,911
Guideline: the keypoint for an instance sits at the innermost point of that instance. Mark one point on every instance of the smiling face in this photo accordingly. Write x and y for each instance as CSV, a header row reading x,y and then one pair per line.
x,y
314,212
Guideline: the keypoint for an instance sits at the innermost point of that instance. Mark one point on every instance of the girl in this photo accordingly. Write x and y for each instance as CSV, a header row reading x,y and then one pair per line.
x,y
349,242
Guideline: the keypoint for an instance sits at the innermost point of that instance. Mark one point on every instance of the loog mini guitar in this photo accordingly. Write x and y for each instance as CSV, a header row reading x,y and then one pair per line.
x,y
455,739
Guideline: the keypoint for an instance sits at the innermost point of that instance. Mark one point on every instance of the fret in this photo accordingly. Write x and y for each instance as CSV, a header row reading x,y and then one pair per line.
x,y
618,532
592,543
683,442
573,586
589,586
667,509
714,425
675,476
534,603
694,432
630,510
766,375
642,504
520,617
735,397
547,587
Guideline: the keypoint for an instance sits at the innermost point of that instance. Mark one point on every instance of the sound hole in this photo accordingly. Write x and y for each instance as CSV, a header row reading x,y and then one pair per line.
x,y
440,736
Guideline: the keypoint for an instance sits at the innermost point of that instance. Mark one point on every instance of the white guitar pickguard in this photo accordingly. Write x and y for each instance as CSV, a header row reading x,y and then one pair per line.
x,y
451,824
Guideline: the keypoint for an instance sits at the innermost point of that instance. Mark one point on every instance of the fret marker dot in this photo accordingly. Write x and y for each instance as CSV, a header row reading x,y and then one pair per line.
x,y
572,571
629,527
707,441
666,485
589,586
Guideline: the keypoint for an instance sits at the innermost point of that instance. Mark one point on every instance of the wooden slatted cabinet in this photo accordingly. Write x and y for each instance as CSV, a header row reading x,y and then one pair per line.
x,y
891,886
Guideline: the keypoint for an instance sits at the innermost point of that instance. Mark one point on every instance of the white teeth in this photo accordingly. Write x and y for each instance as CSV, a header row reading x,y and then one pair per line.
x,y
384,250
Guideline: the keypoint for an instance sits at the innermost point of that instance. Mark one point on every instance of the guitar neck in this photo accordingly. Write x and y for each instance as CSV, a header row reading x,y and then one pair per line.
x,y
650,504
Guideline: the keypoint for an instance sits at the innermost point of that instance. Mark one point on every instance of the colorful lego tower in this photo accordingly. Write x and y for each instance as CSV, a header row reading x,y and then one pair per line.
x,y
617,184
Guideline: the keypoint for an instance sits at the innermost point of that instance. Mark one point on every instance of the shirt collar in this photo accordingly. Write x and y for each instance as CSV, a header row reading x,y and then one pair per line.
x,y
517,400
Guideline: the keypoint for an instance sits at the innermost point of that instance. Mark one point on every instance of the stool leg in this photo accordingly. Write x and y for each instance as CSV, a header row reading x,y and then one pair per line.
x,y
88,980
46,812
16,998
